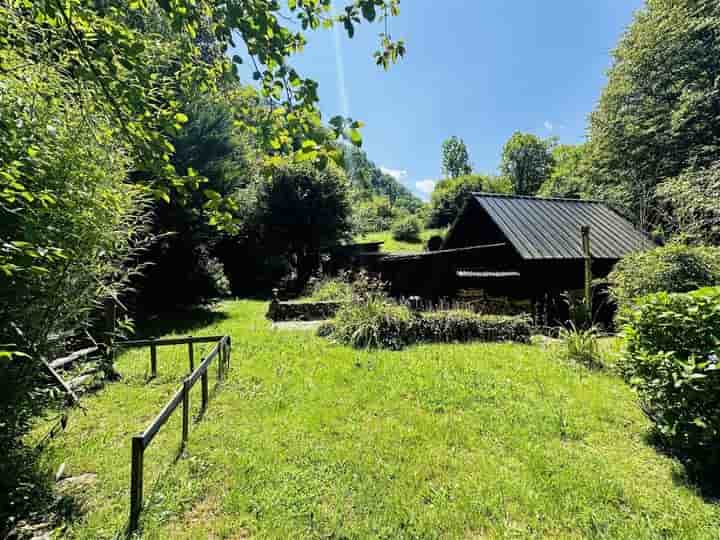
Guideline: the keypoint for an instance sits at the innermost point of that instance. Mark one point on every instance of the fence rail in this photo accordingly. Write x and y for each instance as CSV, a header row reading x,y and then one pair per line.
x,y
155,343
221,352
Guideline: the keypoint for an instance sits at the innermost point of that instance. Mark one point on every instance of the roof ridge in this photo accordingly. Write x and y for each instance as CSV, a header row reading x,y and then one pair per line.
x,y
534,198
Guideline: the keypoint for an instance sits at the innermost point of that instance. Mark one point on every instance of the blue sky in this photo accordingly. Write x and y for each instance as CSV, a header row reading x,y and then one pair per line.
x,y
478,69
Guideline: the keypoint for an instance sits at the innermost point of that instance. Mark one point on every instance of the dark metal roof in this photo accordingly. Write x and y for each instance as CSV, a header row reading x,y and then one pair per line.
x,y
545,228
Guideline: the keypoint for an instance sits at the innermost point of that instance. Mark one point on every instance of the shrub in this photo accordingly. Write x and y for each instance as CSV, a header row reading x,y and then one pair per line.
x,y
331,289
671,357
673,268
378,323
407,230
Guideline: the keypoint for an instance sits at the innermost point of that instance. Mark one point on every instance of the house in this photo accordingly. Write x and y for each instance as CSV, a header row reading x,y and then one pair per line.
x,y
518,247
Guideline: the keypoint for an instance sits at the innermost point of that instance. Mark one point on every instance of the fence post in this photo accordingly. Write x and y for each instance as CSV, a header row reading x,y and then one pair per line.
x,y
186,412
136,481
229,349
221,355
190,355
153,360
204,381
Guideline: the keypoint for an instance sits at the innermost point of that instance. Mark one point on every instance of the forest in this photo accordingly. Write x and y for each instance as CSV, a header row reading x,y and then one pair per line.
x,y
142,173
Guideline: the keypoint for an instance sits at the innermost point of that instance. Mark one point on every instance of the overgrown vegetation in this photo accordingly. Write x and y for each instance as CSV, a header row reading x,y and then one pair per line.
x,y
376,322
672,268
672,360
407,230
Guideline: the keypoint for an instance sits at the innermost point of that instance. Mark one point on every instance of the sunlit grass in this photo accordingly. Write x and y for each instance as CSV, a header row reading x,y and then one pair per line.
x,y
394,246
307,440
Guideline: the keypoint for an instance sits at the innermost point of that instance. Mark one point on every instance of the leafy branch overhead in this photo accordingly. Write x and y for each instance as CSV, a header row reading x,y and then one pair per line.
x,y
143,60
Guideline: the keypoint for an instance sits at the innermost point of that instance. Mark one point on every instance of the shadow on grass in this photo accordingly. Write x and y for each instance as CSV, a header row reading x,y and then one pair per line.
x,y
699,472
183,321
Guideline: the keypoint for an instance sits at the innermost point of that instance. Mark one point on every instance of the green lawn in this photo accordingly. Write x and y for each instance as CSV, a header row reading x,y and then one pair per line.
x,y
394,246
311,440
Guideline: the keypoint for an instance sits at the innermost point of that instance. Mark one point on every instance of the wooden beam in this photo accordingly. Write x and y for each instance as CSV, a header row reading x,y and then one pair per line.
x,y
60,362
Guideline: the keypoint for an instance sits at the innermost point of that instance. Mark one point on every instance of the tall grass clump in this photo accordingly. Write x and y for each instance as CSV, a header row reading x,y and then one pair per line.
x,y
580,345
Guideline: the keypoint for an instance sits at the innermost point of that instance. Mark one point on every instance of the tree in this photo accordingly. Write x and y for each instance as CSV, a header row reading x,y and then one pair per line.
x,y
692,205
455,158
660,111
569,175
143,60
450,195
527,161
299,209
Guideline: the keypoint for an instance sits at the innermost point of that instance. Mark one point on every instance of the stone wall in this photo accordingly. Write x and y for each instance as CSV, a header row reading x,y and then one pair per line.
x,y
302,311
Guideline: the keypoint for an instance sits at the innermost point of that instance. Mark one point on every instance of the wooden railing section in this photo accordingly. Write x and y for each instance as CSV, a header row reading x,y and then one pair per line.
x,y
221,352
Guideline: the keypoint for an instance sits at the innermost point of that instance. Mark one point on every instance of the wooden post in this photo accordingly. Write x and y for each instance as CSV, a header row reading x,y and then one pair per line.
x,y
204,384
153,360
588,267
136,481
186,412
229,349
190,355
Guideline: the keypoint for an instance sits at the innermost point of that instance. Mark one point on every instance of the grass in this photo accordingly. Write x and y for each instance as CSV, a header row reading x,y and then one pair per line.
x,y
312,440
394,246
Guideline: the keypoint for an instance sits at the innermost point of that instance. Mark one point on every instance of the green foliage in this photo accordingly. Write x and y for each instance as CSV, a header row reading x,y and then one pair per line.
x,y
450,195
694,212
569,176
373,215
672,268
580,345
373,323
455,158
390,245
69,225
144,59
672,350
407,230
336,289
297,210
527,161
657,117
378,198
377,322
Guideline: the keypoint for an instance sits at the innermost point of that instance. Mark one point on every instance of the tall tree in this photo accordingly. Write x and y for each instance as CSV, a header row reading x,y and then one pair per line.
x,y
451,194
455,158
527,161
660,111
569,176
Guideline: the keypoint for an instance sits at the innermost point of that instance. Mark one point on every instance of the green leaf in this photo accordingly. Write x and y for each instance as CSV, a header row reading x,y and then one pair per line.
x,y
181,118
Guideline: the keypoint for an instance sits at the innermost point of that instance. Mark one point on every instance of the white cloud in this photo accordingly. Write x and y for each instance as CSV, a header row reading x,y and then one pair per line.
x,y
425,186
397,174
548,125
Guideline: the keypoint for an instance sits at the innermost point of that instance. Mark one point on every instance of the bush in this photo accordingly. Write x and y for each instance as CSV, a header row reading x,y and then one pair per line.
x,y
671,358
378,323
331,290
407,230
673,268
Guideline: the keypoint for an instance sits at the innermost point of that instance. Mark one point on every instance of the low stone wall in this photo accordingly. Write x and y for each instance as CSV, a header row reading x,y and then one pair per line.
x,y
302,311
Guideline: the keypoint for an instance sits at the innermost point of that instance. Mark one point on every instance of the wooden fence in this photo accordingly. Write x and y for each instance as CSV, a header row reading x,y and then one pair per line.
x,y
221,352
